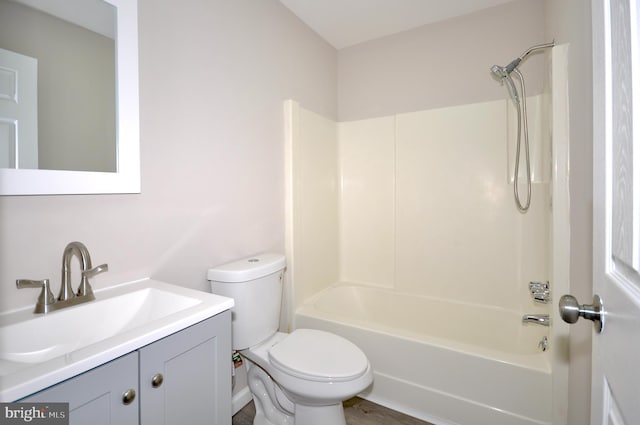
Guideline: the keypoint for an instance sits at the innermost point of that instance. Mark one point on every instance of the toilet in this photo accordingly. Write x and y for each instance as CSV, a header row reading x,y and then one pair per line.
x,y
298,378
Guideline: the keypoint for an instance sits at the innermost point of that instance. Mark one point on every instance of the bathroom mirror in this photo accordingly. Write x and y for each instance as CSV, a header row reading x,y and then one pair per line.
x,y
118,125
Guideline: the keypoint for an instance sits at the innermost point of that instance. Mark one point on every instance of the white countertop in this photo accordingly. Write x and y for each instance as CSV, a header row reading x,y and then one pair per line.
x,y
19,378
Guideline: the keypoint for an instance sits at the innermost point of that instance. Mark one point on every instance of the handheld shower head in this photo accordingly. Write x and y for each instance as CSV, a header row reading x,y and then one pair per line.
x,y
501,72
503,75
498,72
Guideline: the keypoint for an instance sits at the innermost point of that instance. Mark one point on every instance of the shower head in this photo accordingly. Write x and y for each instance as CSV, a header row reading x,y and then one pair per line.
x,y
503,75
499,72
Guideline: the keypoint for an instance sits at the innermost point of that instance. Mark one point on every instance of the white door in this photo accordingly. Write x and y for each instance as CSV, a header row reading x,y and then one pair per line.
x,y
615,395
18,110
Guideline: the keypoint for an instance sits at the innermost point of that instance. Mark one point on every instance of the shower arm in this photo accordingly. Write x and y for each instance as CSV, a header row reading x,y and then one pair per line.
x,y
514,63
535,48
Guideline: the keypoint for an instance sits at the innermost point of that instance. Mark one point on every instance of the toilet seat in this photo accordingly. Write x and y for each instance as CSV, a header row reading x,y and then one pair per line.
x,y
318,356
315,370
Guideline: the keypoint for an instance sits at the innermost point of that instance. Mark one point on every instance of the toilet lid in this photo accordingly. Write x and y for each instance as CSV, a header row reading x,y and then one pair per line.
x,y
319,356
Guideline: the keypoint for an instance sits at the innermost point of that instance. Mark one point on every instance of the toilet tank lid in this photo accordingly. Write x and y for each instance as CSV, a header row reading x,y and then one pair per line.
x,y
248,268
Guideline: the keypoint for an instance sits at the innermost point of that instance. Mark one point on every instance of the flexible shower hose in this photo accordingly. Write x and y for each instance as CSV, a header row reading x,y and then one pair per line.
x,y
521,106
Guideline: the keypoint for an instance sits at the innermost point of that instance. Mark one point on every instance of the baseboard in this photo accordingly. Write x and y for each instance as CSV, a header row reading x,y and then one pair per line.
x,y
240,399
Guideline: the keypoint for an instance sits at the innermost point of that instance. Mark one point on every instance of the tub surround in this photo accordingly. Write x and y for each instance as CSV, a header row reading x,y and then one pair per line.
x,y
481,366
371,201
393,221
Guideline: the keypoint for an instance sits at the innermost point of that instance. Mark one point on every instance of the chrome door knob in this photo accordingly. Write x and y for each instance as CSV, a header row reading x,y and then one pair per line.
x,y
571,311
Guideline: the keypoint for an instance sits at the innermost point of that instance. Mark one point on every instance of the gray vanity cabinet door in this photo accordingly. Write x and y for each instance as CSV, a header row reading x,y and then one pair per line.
x,y
185,378
96,397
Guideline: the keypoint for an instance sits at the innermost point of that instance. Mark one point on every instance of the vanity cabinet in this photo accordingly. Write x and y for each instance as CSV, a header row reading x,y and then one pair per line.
x,y
95,397
184,378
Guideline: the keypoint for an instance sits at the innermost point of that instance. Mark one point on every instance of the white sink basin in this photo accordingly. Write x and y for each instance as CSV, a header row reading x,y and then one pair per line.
x,y
67,330
39,350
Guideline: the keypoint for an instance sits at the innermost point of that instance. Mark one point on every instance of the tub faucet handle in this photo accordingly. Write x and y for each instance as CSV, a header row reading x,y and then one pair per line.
x,y
538,286
542,297
540,291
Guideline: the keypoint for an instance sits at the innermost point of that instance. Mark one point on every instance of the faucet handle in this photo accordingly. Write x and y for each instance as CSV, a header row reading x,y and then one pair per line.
x,y
85,289
45,299
95,271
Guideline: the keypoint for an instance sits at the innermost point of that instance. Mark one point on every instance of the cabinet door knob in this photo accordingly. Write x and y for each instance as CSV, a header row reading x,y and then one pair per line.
x,y
128,396
157,380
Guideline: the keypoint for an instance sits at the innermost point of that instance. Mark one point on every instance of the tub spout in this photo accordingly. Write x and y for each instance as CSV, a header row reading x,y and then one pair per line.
x,y
540,319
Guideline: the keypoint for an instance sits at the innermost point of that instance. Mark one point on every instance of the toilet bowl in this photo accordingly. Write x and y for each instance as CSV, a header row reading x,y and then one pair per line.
x,y
311,368
297,378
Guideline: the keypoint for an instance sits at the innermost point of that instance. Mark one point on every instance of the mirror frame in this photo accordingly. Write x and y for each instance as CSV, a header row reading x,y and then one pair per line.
x,y
127,177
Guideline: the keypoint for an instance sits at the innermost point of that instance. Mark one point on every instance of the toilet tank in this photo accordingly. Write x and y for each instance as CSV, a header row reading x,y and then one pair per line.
x,y
255,284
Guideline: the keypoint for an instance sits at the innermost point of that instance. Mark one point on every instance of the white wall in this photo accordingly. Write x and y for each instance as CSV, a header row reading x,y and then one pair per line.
x,y
213,76
441,64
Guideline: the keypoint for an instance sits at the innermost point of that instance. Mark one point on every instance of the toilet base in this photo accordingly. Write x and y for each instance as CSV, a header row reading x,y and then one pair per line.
x,y
304,415
320,415
269,409
274,408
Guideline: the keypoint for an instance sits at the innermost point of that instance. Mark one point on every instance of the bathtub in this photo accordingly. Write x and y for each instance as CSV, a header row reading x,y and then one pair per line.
x,y
439,360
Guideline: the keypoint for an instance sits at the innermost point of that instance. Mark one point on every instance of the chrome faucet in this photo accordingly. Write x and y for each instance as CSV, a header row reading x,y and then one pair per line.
x,y
86,270
46,302
540,319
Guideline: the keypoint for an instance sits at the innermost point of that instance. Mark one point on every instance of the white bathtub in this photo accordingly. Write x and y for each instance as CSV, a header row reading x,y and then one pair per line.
x,y
442,361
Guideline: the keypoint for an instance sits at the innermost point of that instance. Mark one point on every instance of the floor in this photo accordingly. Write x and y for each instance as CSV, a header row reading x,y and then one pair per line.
x,y
357,411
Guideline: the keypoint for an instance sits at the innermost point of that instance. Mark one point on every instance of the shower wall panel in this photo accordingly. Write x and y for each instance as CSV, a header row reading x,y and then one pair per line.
x,y
427,205
458,233
367,201
312,219
420,202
